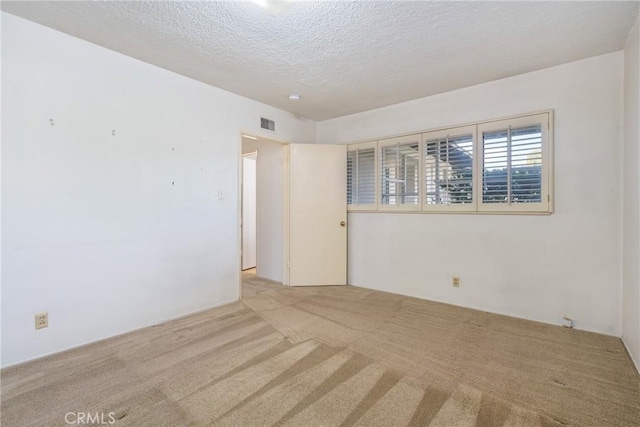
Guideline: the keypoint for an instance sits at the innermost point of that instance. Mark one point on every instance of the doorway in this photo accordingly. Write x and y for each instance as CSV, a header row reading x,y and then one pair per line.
x,y
249,199
300,212
261,210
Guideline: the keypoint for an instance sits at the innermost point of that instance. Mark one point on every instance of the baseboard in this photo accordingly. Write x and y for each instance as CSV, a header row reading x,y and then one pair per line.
x,y
633,362
499,313
74,347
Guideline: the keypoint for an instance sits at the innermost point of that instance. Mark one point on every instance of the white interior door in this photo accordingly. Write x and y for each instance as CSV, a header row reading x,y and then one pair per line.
x,y
248,212
317,215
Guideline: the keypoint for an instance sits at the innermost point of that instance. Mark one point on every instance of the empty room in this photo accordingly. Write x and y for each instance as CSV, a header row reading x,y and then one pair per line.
x,y
320,213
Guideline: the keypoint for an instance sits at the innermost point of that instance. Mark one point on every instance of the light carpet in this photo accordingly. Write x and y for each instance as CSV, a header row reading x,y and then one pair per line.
x,y
333,356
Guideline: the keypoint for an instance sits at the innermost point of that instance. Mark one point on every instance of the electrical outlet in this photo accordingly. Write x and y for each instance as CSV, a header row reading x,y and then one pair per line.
x,y
455,281
42,320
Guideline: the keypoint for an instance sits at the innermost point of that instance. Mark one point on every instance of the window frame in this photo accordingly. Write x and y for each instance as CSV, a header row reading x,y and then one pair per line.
x,y
443,133
370,206
545,205
401,140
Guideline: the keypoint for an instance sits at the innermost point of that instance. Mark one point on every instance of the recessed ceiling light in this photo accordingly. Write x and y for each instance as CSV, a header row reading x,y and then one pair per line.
x,y
274,7
294,97
249,137
261,3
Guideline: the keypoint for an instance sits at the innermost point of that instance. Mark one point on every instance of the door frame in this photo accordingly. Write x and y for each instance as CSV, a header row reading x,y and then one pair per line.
x,y
285,206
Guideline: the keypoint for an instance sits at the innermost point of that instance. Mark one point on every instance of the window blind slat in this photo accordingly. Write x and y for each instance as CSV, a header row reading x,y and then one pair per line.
x,y
512,165
399,174
448,170
361,178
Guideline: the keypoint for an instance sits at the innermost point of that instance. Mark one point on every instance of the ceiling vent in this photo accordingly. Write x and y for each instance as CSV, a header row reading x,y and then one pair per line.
x,y
267,124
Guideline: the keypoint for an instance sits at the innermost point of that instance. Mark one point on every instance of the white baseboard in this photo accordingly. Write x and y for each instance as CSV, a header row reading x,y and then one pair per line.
x,y
633,361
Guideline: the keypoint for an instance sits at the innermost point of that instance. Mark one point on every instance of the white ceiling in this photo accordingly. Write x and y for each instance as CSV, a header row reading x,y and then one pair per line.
x,y
343,57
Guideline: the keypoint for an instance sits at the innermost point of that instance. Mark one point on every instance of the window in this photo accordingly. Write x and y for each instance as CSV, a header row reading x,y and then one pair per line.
x,y
515,165
448,170
361,176
400,173
500,166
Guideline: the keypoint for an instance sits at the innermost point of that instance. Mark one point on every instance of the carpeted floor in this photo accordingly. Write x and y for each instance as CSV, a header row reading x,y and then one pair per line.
x,y
333,356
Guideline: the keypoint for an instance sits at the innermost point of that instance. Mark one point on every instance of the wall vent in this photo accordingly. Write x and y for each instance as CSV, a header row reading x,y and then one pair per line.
x,y
267,124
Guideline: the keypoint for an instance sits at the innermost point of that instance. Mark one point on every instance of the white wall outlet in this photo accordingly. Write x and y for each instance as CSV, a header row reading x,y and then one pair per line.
x,y
220,194
42,320
455,281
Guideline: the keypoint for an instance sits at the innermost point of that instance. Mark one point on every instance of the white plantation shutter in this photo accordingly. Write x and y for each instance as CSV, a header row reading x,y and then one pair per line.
x,y
515,164
448,163
400,173
499,166
361,176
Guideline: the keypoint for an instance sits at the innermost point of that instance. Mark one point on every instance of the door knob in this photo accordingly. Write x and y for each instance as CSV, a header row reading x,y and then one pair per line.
x,y
342,223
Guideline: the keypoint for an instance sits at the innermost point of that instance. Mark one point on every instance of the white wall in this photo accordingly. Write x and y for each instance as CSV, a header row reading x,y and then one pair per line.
x,y
631,210
270,221
93,231
1,197
249,211
535,267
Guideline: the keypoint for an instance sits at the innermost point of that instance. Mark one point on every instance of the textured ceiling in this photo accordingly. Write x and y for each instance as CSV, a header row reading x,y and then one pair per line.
x,y
343,57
